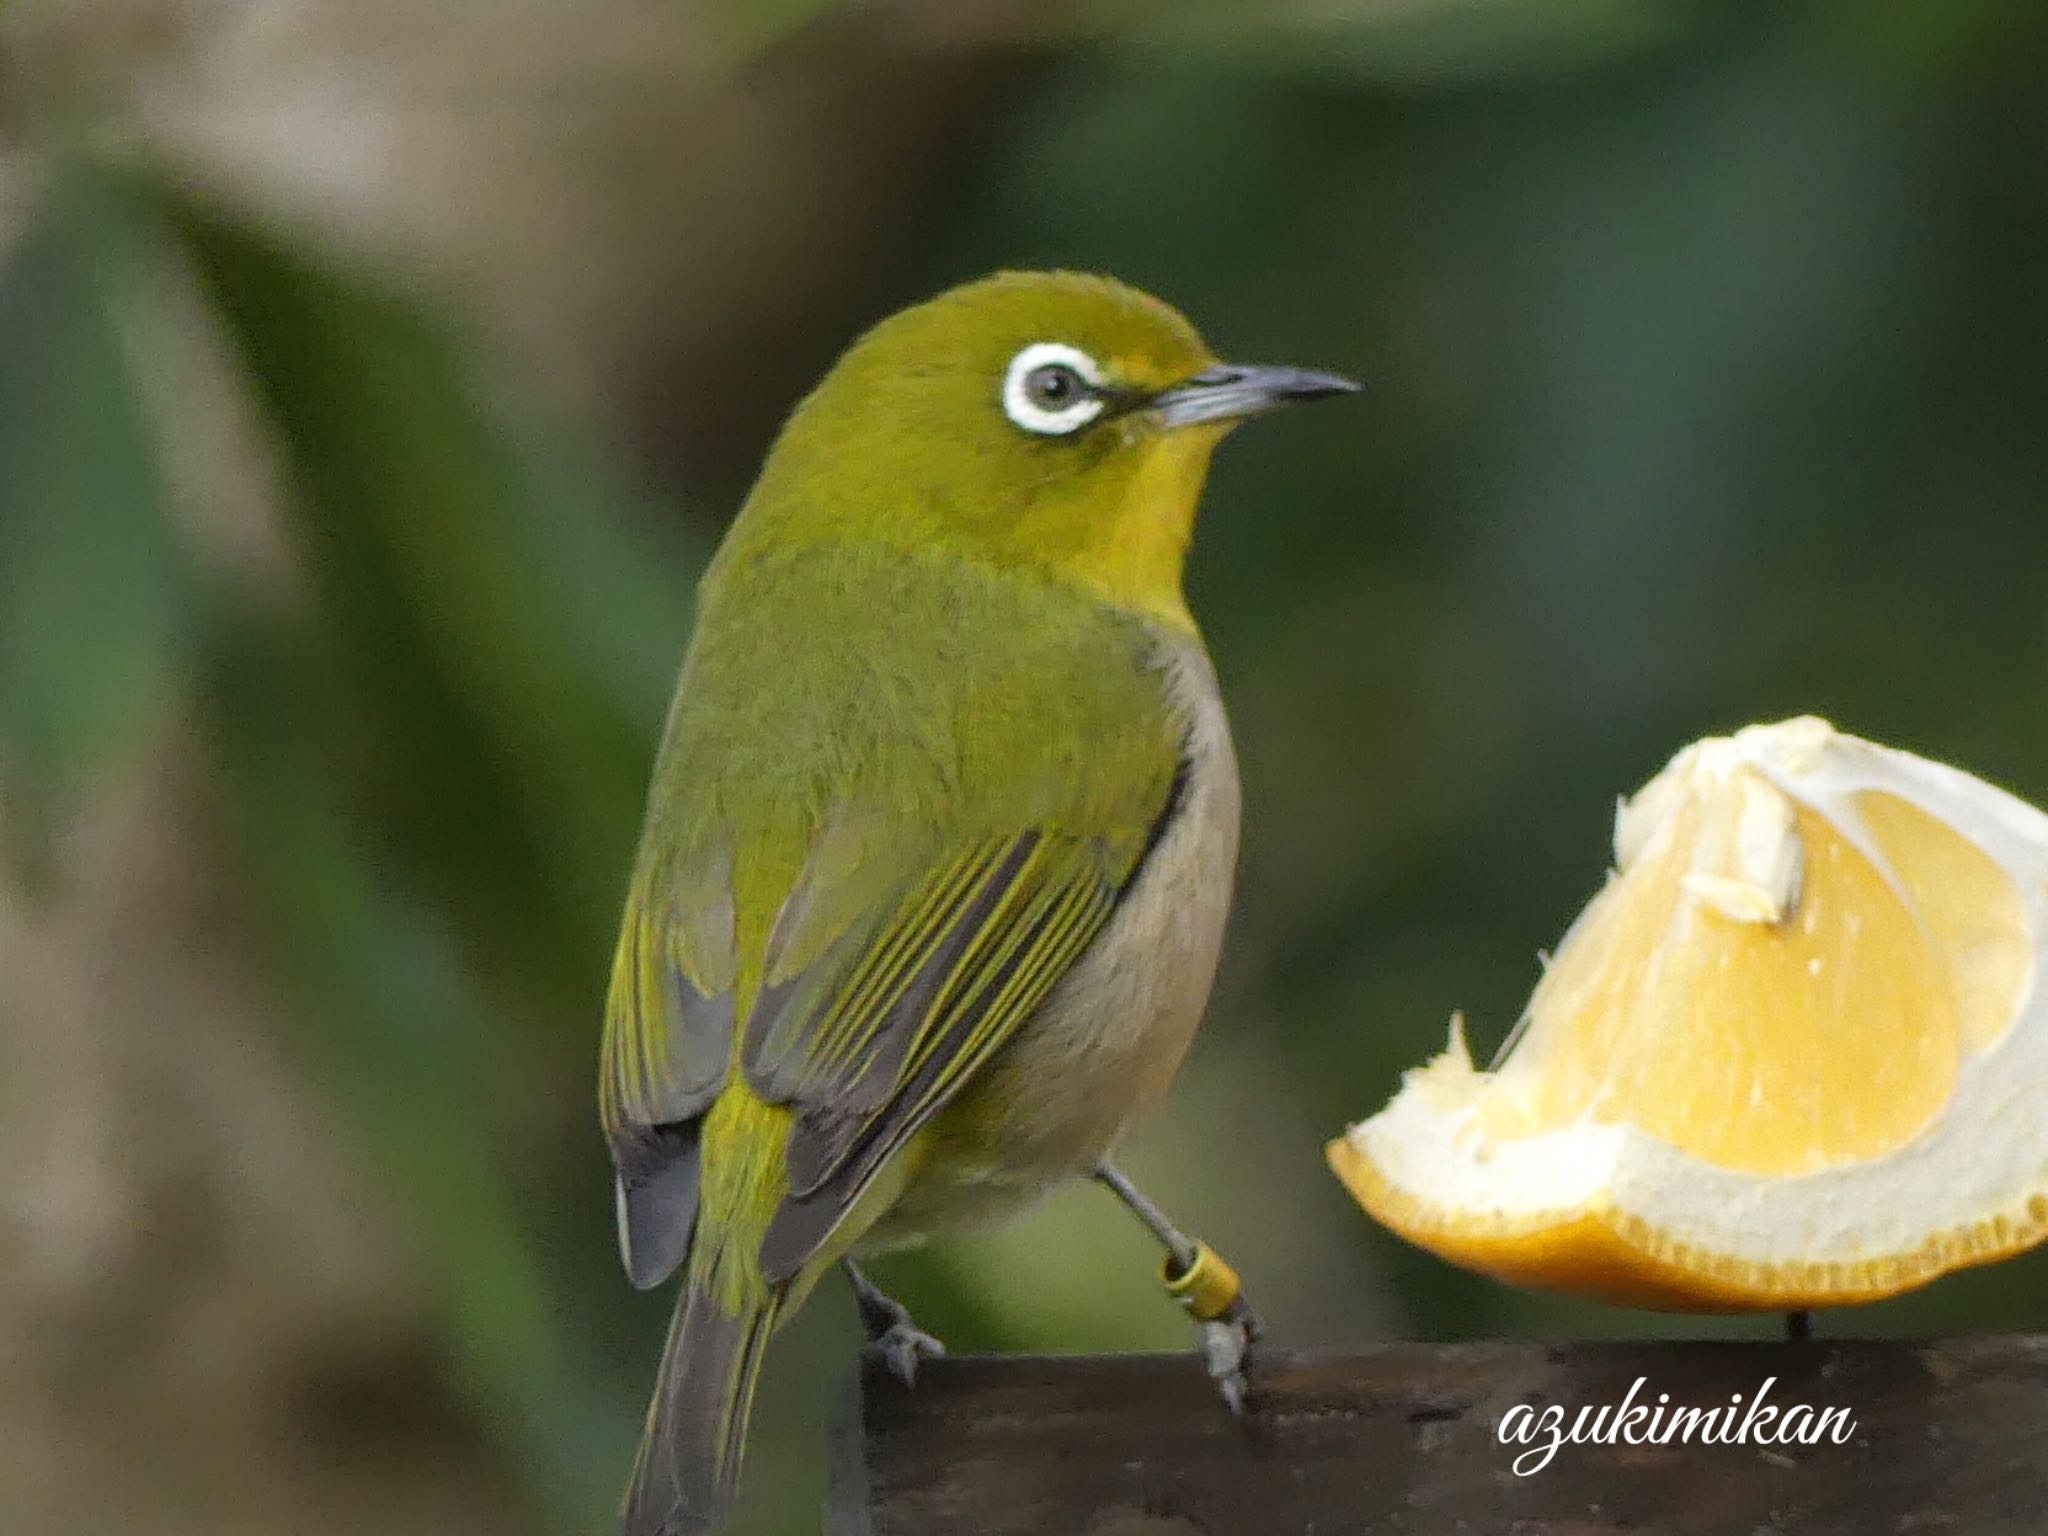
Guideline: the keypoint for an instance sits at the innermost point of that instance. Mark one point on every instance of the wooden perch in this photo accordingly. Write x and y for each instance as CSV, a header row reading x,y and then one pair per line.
x,y
1948,1437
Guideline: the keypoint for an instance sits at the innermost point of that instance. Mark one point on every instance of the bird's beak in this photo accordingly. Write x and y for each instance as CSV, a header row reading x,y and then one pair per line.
x,y
1229,392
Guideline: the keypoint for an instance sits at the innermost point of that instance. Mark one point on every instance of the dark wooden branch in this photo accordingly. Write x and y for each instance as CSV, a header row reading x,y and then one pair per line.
x,y
1950,1437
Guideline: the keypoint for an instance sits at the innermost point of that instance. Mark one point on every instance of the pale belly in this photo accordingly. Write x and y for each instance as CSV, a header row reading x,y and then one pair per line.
x,y
1108,1041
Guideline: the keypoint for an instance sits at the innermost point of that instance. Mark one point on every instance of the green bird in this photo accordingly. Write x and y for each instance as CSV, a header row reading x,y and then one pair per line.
x,y
940,839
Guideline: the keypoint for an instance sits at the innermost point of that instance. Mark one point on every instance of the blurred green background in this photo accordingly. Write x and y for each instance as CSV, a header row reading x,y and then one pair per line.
x,y
375,379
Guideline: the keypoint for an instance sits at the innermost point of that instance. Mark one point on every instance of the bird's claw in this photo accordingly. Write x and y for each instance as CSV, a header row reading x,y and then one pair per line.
x,y
892,1332
1226,1346
902,1346
1207,1288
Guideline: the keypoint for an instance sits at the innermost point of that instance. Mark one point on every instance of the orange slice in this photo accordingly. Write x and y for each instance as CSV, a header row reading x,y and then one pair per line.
x,y
1792,1055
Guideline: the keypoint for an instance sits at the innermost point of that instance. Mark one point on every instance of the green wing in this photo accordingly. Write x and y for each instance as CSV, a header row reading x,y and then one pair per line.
x,y
870,1044
864,1043
853,934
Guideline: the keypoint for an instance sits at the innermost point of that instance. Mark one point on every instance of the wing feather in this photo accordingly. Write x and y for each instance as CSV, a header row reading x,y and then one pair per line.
x,y
666,1056
976,978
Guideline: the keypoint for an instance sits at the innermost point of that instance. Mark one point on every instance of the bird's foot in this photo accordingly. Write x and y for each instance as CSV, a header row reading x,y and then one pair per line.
x,y
1208,1289
1202,1285
892,1332
1226,1347
903,1346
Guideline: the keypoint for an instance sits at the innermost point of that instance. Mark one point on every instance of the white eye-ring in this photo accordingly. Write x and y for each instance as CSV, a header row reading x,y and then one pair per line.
x,y
1052,388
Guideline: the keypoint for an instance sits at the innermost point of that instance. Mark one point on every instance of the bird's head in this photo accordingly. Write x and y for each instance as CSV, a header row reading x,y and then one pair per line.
x,y
1049,422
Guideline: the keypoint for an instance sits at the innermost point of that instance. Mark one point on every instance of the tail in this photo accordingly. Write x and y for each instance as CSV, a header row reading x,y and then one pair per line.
x,y
689,1464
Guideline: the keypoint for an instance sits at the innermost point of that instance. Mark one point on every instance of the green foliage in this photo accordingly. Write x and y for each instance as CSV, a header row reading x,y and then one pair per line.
x,y
433,759
1421,42
95,597
483,637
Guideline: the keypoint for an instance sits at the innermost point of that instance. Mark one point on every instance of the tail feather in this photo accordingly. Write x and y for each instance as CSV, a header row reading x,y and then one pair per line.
x,y
689,1465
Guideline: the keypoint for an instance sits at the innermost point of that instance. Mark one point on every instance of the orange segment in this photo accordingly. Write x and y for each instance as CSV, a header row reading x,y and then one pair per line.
x,y
1972,913
1759,1070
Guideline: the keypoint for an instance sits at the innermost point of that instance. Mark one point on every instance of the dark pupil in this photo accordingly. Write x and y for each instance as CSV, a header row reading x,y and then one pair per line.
x,y
1053,385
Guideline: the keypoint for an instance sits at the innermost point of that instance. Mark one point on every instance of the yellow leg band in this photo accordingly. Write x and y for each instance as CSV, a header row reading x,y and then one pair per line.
x,y
1207,1288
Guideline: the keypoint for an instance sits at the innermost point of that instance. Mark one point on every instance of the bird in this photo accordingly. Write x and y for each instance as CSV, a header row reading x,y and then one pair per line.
x,y
939,839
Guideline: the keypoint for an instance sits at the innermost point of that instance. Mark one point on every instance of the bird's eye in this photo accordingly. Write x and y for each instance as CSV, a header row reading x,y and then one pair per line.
x,y
1051,388
1051,385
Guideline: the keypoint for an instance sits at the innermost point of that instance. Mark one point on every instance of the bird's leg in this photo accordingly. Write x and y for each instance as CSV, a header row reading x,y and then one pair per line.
x,y
891,1331
1205,1286
1798,1326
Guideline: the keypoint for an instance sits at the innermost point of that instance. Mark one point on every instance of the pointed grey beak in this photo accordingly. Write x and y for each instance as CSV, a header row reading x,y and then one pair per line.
x,y
1228,392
